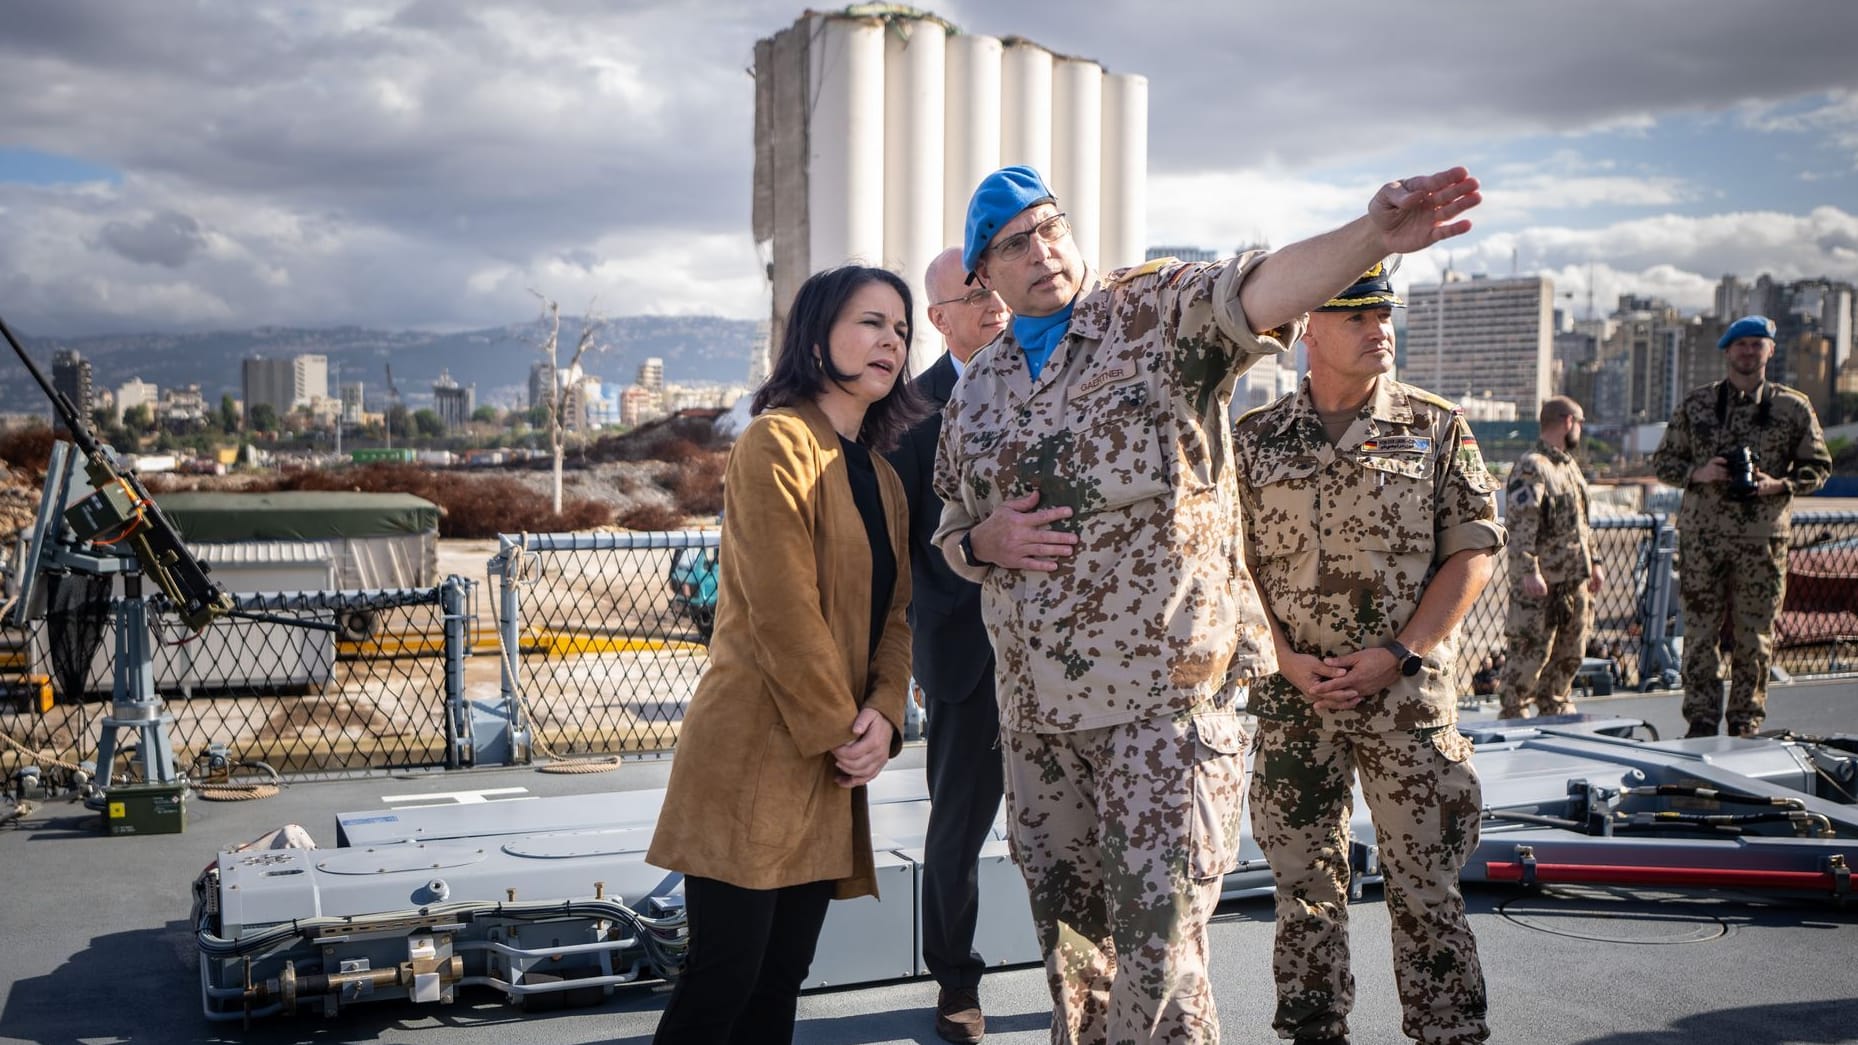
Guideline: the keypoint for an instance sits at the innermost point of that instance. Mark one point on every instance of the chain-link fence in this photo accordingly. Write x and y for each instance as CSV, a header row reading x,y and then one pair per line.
x,y
603,635
600,639
1637,613
378,686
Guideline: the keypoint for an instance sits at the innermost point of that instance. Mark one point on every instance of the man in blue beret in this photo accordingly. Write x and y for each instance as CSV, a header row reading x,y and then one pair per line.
x,y
1742,449
1089,487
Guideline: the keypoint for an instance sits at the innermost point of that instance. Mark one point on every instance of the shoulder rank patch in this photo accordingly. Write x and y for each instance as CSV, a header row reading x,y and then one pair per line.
x,y
1147,268
1398,444
1427,397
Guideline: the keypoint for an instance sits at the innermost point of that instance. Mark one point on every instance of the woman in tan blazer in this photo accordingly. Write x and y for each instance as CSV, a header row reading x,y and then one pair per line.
x,y
803,701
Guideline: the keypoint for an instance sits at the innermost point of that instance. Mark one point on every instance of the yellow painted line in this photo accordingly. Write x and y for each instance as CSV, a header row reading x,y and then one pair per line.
x,y
546,643
570,644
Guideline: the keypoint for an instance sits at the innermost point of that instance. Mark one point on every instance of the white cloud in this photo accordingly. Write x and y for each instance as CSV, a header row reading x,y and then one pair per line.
x,y
1835,117
1680,259
423,162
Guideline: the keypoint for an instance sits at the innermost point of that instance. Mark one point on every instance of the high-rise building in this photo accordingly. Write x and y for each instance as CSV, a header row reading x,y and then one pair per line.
x,y
541,384
1484,337
1731,299
453,402
651,378
354,402
71,375
136,392
268,382
312,380
284,384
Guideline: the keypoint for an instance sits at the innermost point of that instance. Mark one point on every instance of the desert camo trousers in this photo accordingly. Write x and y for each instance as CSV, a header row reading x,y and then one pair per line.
x,y
1425,798
1740,583
1122,834
1544,641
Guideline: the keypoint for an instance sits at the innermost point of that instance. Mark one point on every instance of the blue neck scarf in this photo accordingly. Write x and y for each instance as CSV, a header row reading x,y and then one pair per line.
x,y
1039,335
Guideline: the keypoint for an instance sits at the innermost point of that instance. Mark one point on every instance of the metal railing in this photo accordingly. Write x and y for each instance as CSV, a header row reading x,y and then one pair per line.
x,y
1638,616
602,636
384,691
600,639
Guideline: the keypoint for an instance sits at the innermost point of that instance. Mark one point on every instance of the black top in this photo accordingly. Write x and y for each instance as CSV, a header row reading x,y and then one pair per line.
x,y
871,506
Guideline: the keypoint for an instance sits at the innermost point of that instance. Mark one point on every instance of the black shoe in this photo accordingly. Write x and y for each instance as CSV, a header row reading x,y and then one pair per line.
x,y
1701,729
1744,729
1331,1039
958,1016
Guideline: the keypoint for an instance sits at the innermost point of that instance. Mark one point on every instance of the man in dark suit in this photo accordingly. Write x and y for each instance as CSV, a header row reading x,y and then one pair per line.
x,y
954,664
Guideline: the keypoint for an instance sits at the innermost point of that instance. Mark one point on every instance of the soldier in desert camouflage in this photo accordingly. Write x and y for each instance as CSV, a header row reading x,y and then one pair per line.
x,y
1086,468
1732,540
1553,569
1370,527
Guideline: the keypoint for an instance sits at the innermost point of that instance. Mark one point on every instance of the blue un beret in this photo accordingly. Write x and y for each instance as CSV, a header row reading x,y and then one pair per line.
x,y
1747,326
998,200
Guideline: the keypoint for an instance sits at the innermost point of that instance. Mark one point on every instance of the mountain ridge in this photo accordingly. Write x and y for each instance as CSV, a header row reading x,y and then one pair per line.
x,y
496,360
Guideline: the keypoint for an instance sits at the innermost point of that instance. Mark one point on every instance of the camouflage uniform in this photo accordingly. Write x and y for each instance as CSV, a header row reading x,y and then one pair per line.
x,y
1343,538
1117,672
1732,554
1546,515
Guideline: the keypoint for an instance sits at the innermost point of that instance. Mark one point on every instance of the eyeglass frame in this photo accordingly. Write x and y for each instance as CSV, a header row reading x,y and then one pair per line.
x,y
972,297
1016,245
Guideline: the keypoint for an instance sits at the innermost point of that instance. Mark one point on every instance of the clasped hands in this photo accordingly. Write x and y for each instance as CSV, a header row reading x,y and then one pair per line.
x,y
1340,683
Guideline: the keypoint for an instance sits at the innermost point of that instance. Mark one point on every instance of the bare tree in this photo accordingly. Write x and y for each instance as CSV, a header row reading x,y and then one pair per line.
x,y
560,393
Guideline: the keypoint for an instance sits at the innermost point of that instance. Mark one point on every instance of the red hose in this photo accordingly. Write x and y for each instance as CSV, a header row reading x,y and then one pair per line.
x,y
1822,881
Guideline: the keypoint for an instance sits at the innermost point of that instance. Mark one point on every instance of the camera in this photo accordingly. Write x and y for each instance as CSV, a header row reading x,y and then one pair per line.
x,y
1742,482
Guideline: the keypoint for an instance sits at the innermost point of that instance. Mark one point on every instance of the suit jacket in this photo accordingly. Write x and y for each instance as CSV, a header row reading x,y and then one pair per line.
x,y
950,645
753,799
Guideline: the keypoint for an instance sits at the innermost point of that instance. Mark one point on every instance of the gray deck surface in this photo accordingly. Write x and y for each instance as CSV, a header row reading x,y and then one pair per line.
x,y
98,949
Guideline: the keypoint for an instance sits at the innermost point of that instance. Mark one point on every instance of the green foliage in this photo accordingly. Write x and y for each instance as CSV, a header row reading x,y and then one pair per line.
x,y
228,415
262,417
429,424
485,415
139,419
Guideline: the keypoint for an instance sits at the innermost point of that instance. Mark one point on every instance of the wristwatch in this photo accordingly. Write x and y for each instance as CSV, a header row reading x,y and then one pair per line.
x,y
1410,662
967,552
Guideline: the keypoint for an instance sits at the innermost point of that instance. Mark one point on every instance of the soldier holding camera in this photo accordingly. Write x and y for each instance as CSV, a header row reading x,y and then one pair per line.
x,y
1742,449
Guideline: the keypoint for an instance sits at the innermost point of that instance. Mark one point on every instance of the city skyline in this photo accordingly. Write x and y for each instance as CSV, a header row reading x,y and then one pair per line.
x,y
418,166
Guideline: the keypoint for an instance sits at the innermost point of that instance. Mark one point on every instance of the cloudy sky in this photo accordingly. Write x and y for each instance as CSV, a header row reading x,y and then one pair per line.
x,y
199,164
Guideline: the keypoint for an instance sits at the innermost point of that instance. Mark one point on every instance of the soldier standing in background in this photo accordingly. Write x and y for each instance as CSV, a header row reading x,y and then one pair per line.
x,y
1553,568
1742,449
1088,485
1370,527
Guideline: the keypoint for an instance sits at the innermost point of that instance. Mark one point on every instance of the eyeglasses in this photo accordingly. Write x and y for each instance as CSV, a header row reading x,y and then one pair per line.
x,y
1051,230
978,296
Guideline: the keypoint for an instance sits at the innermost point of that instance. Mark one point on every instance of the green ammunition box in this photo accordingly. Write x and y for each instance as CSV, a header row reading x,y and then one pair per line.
x,y
146,809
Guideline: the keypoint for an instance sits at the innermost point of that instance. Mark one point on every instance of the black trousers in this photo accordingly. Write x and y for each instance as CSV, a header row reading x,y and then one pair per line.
x,y
965,786
750,950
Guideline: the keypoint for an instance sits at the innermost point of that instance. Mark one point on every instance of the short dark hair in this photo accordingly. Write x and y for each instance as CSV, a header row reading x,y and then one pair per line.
x,y
798,376
1555,408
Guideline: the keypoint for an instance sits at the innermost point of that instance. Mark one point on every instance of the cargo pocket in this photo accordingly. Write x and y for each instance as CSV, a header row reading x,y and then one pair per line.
x,y
1218,793
1454,745
786,789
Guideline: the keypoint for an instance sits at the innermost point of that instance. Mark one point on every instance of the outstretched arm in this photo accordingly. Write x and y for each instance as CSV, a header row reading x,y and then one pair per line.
x,y
1404,216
